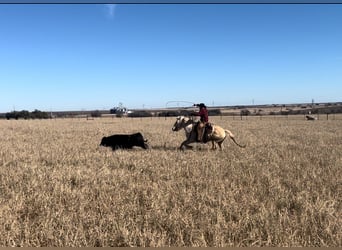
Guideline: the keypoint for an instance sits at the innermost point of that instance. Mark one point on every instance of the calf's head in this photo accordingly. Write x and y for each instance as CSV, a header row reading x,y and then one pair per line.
x,y
104,142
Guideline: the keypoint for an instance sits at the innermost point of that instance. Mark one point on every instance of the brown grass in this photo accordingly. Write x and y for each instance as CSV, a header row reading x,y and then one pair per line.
x,y
59,188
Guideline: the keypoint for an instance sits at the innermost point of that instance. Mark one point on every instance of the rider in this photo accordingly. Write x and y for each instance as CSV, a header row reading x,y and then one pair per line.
x,y
203,113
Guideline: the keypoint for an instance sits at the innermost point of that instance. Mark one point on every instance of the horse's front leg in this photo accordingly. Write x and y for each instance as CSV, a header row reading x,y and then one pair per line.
x,y
213,145
185,144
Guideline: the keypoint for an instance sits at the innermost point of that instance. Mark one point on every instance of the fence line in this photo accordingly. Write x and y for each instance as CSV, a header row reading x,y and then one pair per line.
x,y
320,117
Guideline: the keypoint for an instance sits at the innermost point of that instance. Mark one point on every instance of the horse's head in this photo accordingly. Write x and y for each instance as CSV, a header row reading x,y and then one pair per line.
x,y
181,122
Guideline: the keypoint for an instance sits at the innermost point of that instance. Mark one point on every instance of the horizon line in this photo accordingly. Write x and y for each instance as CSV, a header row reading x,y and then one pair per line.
x,y
183,107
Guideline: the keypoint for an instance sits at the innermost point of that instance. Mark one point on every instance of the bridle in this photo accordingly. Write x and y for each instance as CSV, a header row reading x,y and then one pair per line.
x,y
177,127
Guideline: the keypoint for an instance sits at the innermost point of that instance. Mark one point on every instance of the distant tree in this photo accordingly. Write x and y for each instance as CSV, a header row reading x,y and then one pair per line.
x,y
245,112
9,115
95,113
213,112
168,113
37,114
141,113
24,114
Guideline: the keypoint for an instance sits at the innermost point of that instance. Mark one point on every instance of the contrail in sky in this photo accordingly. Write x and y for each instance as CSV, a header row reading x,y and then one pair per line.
x,y
111,9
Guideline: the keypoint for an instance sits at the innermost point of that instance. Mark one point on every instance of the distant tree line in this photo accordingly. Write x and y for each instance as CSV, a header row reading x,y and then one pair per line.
x,y
174,113
324,110
96,113
24,114
140,113
211,112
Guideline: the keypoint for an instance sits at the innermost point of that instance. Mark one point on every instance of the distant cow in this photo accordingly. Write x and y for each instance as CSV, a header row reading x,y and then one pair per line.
x,y
124,141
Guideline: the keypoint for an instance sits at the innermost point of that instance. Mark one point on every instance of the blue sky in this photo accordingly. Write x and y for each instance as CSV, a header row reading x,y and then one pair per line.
x,y
93,56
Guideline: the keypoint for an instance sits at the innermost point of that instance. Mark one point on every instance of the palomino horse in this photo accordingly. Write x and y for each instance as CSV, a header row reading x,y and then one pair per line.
x,y
217,134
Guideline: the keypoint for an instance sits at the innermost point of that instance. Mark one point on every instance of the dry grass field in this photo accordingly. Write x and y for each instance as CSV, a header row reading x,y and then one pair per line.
x,y
59,188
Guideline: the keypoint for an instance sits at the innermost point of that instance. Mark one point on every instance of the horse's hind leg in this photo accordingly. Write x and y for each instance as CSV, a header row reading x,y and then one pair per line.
x,y
220,145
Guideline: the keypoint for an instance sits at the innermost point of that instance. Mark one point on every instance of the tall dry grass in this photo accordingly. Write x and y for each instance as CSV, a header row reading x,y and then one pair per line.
x,y
59,188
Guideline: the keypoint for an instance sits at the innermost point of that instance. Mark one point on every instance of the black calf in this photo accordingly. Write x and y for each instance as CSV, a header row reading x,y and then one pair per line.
x,y
124,141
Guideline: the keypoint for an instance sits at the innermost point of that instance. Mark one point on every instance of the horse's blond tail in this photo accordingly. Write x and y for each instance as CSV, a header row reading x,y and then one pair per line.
x,y
233,138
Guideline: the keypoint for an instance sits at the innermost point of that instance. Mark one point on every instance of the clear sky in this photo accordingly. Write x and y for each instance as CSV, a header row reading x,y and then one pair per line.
x,y
93,56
